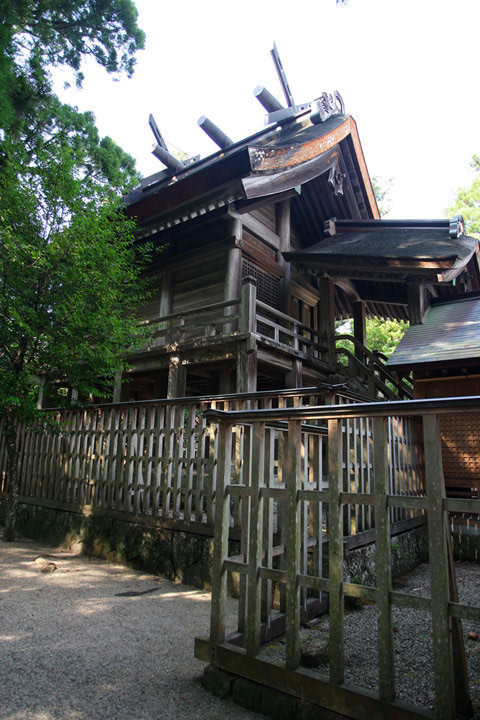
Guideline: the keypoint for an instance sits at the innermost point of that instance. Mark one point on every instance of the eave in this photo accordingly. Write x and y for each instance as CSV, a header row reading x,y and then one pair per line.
x,y
267,164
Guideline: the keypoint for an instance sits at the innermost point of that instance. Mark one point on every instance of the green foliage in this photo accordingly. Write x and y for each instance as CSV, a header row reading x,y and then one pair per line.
x,y
467,203
384,335
382,188
68,272
38,34
381,335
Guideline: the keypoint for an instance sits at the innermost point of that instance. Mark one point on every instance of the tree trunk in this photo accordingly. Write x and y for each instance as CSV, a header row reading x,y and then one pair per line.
x,y
10,429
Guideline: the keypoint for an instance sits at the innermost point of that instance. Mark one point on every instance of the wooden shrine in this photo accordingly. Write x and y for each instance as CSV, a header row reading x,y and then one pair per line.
x,y
266,243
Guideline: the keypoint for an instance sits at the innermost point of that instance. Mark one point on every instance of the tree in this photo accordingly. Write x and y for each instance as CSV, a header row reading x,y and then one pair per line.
x,y
38,34
381,189
69,271
381,335
384,335
467,202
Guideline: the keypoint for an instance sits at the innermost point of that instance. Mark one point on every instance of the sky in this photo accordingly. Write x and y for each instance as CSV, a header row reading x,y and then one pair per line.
x,y
407,71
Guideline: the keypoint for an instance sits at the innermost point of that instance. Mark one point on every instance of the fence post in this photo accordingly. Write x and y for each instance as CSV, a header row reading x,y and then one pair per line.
x,y
294,469
247,351
439,581
220,547
248,305
335,552
255,540
383,560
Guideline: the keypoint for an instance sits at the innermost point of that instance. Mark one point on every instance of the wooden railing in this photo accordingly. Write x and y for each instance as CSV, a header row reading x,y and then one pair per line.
x,y
276,580
207,321
286,332
368,367
157,460
248,316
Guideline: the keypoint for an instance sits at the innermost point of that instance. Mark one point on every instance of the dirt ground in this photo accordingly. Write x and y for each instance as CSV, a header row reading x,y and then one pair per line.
x,y
85,639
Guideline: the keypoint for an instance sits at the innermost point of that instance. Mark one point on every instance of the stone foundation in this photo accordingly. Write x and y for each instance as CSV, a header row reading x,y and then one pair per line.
x,y
409,549
262,699
181,556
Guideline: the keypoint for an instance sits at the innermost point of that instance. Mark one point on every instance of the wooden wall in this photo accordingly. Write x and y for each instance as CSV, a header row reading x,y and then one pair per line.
x,y
200,280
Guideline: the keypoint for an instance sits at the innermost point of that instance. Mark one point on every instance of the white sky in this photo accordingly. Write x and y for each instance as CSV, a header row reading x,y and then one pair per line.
x,y
406,69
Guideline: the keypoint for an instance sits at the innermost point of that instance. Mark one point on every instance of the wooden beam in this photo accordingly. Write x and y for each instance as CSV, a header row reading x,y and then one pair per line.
x,y
257,228
359,326
282,218
326,318
416,303
244,206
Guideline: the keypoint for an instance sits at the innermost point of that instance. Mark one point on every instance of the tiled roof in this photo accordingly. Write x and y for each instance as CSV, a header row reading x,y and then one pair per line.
x,y
450,331
408,244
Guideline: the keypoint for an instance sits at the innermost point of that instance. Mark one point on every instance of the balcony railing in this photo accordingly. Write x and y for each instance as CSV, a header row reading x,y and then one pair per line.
x,y
248,316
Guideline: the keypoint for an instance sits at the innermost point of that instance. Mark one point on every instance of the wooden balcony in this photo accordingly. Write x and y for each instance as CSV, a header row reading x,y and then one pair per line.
x,y
247,325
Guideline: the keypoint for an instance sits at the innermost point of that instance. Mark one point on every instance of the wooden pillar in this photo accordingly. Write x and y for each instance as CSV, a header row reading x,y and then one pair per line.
x,y
293,484
247,351
359,327
177,377
166,295
416,303
248,305
294,378
335,551
233,270
326,319
117,388
386,680
282,219
234,260
218,606
247,368
226,381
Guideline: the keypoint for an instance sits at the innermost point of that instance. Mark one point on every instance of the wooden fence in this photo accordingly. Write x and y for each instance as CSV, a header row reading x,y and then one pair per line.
x,y
159,459
277,581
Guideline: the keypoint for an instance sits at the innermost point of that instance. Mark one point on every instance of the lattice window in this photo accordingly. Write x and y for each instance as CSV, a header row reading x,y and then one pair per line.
x,y
268,286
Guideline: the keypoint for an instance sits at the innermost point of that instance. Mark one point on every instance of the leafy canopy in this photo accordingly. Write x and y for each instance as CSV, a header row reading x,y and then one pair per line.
x,y
38,34
68,267
382,335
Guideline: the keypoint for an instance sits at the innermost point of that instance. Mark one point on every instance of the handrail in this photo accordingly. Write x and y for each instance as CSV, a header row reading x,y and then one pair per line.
x,y
258,394
287,318
193,311
432,406
372,362
278,313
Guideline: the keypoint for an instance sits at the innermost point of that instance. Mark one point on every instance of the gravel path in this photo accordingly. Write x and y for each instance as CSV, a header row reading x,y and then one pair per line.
x,y
412,641
85,640
75,644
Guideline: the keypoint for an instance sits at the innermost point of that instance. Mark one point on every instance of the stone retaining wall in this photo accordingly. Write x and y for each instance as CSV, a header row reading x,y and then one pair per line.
x,y
176,555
